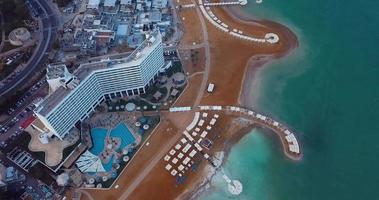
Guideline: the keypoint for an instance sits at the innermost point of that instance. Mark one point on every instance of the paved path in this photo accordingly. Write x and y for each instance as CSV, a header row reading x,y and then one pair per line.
x,y
207,57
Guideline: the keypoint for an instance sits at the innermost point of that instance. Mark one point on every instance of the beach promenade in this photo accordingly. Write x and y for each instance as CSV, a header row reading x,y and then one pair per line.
x,y
290,143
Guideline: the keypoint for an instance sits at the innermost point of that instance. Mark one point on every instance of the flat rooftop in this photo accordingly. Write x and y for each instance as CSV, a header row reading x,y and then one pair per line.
x,y
55,71
52,100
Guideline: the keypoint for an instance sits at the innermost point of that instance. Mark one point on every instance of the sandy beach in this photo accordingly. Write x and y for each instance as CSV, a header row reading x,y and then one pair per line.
x,y
233,63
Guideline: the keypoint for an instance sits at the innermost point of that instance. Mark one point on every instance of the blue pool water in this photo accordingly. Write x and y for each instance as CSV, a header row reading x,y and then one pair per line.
x,y
123,132
98,137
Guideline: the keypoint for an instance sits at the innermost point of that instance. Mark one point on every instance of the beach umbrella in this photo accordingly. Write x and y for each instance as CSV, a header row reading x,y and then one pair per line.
x,y
125,158
125,151
91,180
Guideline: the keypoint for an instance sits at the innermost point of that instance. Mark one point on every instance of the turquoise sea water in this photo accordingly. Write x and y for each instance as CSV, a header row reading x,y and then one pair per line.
x,y
327,90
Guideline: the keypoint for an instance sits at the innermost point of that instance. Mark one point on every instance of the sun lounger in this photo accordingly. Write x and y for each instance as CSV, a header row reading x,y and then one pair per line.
x,y
183,140
167,158
204,134
172,152
194,134
168,167
186,160
193,153
186,148
201,122
180,155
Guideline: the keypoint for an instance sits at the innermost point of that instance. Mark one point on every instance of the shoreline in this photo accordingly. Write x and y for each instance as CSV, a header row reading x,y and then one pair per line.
x,y
246,97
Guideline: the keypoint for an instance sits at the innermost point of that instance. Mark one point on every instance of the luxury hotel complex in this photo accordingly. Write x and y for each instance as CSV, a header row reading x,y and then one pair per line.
x,y
74,96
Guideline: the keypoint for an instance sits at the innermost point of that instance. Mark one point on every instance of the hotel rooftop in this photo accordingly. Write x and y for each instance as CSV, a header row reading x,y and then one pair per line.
x,y
86,69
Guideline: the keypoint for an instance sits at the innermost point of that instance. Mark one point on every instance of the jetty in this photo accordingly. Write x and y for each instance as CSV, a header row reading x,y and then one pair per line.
x,y
287,136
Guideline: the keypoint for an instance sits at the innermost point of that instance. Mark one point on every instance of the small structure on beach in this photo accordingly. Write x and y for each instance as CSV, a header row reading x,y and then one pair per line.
x,y
210,88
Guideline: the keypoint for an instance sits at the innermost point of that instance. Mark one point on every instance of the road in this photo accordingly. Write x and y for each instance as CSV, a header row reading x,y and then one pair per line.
x,y
40,55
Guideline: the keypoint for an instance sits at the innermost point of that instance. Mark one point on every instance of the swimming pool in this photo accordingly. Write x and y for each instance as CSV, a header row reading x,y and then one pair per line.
x,y
98,138
123,132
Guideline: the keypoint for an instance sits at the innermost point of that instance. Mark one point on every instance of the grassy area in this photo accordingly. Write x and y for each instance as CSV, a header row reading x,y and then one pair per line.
x,y
14,12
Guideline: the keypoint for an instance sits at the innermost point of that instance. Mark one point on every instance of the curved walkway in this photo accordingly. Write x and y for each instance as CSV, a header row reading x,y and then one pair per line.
x,y
290,143
271,38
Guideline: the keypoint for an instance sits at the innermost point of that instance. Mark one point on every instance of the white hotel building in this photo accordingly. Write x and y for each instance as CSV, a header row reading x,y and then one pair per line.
x,y
92,83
